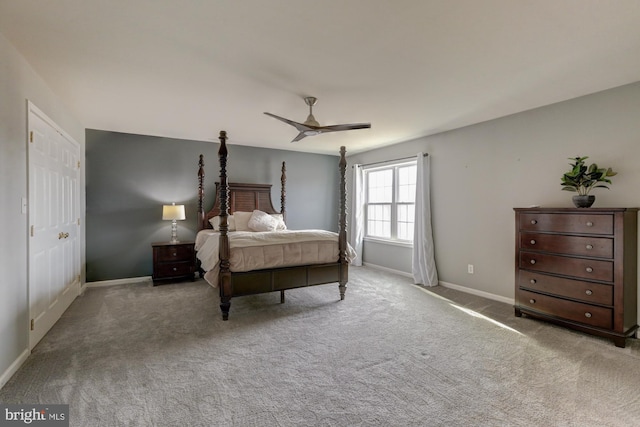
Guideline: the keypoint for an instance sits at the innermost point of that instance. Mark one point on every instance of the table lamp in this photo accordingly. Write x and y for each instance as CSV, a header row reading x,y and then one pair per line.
x,y
174,213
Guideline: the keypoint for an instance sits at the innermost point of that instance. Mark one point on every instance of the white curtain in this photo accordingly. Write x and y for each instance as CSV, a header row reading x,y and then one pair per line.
x,y
423,264
357,208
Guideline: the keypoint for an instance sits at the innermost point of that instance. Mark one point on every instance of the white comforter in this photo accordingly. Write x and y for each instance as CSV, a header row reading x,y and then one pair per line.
x,y
259,250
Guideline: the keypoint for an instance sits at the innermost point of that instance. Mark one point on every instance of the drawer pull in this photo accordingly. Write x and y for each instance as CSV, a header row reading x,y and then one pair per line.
x,y
533,261
175,254
589,270
588,292
587,315
589,247
532,301
175,268
534,222
533,281
533,242
589,224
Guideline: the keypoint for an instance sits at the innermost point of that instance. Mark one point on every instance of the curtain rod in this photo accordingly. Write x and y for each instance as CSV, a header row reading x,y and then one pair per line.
x,y
392,160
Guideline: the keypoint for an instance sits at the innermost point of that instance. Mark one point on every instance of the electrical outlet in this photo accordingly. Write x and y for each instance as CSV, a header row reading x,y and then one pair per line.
x,y
470,268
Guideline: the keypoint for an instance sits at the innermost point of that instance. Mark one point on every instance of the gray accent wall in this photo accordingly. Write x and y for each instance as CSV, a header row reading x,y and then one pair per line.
x,y
480,173
19,83
130,177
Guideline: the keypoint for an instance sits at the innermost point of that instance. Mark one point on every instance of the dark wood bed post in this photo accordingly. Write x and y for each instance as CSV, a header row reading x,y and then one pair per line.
x,y
283,192
342,234
201,215
225,272
283,209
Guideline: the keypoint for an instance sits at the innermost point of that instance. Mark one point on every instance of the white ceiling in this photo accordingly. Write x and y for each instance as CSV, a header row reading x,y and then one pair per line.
x,y
187,69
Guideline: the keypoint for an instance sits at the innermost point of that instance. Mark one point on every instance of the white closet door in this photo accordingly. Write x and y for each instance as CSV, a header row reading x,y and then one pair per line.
x,y
54,217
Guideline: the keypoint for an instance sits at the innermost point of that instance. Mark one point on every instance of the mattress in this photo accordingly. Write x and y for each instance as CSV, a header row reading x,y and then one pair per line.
x,y
261,250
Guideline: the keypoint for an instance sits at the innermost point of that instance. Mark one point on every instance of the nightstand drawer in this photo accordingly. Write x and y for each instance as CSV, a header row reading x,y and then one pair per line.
x,y
174,269
174,253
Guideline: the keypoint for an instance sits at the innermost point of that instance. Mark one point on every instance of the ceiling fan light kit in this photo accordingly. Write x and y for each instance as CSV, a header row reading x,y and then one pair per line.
x,y
311,127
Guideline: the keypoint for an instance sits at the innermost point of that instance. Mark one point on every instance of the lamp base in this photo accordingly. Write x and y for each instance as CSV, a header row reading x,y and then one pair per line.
x,y
174,232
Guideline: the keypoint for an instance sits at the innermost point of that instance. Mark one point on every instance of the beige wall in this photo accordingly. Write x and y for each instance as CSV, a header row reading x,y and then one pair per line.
x,y
19,83
480,172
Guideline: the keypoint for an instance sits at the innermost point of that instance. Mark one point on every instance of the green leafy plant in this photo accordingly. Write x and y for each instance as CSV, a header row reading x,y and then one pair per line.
x,y
582,178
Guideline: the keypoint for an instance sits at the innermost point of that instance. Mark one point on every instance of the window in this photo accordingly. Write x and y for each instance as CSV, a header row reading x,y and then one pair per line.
x,y
389,201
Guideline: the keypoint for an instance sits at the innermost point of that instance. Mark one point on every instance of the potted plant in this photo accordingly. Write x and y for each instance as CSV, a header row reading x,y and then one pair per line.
x,y
582,178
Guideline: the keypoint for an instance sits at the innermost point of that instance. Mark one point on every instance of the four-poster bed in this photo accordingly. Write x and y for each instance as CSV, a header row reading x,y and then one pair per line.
x,y
246,262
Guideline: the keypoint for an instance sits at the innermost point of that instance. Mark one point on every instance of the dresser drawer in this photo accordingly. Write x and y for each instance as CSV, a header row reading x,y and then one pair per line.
x,y
600,317
568,266
601,247
174,253
596,293
567,223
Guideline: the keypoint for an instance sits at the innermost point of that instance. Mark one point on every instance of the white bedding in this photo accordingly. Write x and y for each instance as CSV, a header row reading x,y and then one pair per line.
x,y
270,249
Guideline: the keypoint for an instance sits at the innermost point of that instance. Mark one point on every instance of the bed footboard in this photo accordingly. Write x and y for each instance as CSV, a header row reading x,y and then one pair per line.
x,y
282,279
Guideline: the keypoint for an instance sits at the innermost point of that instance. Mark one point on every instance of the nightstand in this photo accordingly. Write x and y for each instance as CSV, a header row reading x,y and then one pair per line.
x,y
173,261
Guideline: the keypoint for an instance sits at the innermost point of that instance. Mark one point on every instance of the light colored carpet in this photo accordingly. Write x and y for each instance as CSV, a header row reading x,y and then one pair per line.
x,y
390,354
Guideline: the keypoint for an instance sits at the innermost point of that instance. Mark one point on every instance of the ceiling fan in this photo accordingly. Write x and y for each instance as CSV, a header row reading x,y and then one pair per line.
x,y
311,126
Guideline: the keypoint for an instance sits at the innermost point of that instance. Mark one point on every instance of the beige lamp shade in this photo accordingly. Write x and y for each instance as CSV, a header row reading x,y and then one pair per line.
x,y
173,212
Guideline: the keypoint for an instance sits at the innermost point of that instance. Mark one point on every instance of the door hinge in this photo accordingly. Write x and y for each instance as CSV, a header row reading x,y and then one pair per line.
x,y
31,136
32,325
32,231
78,221
78,164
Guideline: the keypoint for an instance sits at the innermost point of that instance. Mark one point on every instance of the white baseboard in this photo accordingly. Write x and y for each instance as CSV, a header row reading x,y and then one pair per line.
x,y
449,285
390,270
6,375
477,292
143,279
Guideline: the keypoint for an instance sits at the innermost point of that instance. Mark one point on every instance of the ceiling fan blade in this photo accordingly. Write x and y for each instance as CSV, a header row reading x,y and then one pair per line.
x,y
300,126
352,126
299,137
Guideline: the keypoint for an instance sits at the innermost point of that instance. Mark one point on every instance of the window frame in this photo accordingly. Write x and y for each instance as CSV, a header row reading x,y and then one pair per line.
x,y
395,167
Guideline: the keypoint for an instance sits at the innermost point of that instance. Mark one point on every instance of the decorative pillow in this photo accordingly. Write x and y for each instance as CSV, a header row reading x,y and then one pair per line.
x,y
242,220
262,221
215,223
281,225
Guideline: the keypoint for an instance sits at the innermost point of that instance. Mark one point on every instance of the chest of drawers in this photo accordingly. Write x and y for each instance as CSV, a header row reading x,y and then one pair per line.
x,y
578,268
173,261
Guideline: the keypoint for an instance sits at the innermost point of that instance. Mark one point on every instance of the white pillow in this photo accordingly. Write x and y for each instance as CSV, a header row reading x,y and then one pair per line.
x,y
262,221
281,225
242,220
215,223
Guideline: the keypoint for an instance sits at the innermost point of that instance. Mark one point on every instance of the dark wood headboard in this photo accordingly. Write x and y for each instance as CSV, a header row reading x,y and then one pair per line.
x,y
242,197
